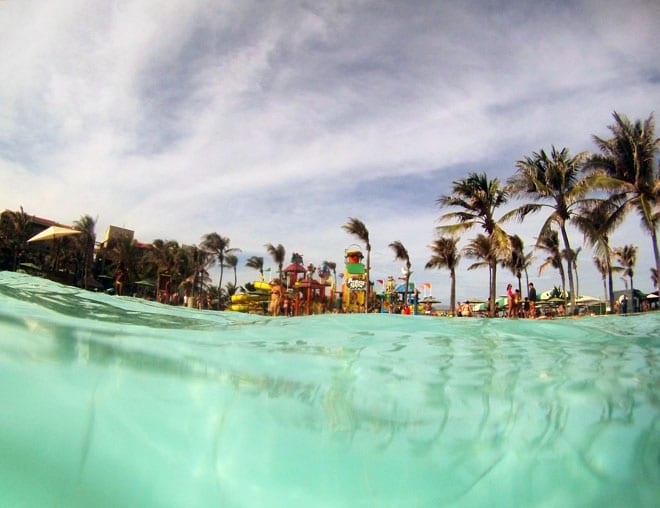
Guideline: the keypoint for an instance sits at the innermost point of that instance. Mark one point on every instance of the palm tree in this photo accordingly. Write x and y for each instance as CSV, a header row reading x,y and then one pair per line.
x,y
333,268
231,261
487,250
602,267
256,262
517,261
87,241
15,234
627,168
161,258
401,254
445,255
627,257
218,246
200,276
596,222
478,198
549,242
357,228
555,178
279,255
126,253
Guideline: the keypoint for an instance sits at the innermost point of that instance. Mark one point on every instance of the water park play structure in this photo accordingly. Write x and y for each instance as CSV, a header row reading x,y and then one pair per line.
x,y
304,293
311,290
254,301
354,285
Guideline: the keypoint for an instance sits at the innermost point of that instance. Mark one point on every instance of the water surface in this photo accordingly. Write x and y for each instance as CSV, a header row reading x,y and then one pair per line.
x,y
112,401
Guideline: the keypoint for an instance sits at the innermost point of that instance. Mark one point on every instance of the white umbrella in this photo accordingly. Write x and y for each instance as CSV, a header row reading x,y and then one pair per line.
x,y
52,233
586,300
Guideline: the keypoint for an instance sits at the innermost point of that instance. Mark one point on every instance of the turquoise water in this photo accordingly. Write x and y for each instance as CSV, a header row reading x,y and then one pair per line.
x,y
112,401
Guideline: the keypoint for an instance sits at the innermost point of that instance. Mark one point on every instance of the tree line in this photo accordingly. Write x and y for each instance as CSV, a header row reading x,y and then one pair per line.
x,y
594,192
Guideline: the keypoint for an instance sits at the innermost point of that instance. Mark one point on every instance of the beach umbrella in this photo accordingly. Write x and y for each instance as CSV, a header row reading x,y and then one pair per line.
x,y
53,233
583,300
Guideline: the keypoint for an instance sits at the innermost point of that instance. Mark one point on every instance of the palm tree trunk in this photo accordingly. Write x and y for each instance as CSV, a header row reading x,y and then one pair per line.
x,y
527,281
656,254
610,281
405,291
452,290
493,288
569,264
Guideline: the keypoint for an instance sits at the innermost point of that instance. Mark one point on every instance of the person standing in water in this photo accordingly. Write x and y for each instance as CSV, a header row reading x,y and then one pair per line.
x,y
510,302
531,291
275,297
120,279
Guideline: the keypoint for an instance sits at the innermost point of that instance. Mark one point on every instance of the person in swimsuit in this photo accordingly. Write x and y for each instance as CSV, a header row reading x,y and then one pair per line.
x,y
275,297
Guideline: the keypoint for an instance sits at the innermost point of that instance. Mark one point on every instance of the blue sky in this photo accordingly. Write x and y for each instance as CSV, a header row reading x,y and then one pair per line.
x,y
273,122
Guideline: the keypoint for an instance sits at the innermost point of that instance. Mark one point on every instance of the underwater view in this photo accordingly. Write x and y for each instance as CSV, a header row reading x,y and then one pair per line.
x,y
113,401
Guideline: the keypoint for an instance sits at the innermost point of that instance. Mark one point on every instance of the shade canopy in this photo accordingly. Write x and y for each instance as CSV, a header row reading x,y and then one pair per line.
x,y
586,300
295,268
52,233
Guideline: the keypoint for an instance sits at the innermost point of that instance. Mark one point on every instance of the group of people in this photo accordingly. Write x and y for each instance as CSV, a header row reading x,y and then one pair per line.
x,y
517,307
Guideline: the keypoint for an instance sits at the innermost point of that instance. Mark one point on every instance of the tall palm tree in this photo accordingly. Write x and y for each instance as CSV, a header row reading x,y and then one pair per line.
x,y
553,181
549,242
487,250
200,276
445,255
627,168
596,222
478,198
278,253
87,241
357,228
219,247
256,262
627,257
401,254
231,261
517,261
602,267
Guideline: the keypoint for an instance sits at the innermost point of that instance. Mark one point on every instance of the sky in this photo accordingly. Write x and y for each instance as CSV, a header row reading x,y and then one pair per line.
x,y
274,122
